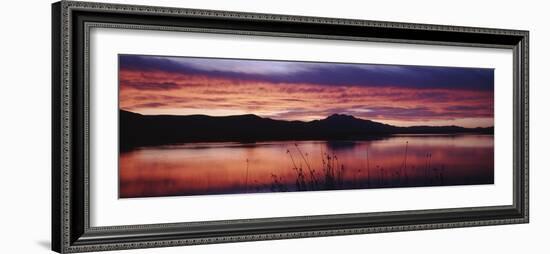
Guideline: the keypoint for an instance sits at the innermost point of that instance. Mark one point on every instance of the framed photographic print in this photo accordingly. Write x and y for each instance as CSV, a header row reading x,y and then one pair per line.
x,y
181,126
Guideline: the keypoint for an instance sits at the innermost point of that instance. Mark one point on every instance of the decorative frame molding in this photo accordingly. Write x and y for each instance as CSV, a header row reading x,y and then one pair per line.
x,y
71,23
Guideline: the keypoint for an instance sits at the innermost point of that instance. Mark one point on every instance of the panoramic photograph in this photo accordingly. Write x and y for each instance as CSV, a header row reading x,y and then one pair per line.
x,y
205,126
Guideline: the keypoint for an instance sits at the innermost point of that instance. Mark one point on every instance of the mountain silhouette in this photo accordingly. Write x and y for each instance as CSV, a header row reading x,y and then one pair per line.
x,y
141,130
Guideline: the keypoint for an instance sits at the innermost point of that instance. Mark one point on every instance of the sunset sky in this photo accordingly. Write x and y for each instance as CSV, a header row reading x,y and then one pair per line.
x,y
285,90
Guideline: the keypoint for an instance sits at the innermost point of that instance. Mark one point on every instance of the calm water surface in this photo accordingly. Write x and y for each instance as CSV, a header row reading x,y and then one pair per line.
x,y
227,168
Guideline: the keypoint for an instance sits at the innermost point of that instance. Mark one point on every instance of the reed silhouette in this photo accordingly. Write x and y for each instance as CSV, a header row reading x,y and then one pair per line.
x,y
331,174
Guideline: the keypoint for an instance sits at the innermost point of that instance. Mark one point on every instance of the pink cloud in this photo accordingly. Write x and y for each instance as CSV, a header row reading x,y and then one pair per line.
x,y
156,92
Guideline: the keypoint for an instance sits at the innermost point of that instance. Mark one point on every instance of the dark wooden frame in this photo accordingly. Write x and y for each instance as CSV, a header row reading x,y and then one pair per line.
x,y
71,22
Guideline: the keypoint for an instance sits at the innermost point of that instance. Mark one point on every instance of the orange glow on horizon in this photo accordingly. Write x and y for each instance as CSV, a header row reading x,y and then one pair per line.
x,y
156,92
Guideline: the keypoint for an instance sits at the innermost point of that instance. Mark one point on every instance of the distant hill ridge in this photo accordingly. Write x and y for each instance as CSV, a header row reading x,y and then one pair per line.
x,y
139,130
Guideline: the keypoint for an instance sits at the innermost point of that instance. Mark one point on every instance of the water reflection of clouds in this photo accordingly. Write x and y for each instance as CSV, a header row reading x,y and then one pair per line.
x,y
221,168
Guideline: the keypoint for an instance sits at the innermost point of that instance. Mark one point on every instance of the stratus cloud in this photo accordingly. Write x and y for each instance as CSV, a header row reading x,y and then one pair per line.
x,y
329,74
184,93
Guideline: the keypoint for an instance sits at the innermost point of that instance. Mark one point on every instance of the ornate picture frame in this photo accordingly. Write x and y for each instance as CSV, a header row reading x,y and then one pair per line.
x,y
71,196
